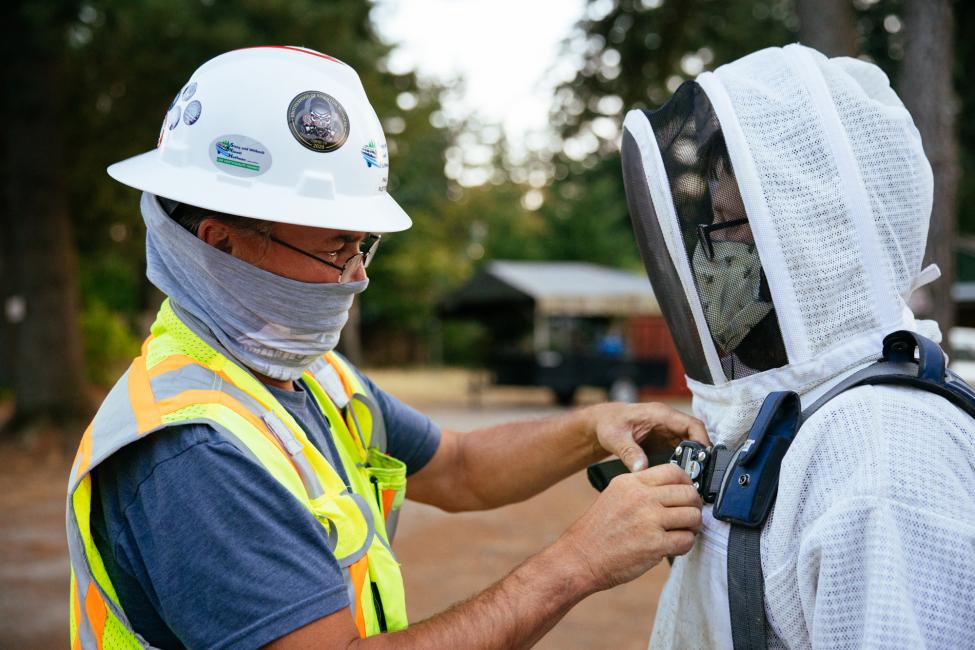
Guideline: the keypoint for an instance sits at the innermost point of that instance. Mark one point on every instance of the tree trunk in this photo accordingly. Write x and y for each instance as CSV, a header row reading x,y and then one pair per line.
x,y
828,25
8,304
48,370
927,88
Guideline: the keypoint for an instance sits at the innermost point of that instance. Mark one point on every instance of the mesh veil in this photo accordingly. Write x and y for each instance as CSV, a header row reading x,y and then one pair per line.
x,y
712,236
825,163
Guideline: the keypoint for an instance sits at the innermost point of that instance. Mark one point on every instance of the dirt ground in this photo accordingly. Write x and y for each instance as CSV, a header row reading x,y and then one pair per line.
x,y
445,557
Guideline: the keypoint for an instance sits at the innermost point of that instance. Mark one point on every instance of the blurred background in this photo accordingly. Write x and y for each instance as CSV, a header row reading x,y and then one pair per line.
x,y
517,292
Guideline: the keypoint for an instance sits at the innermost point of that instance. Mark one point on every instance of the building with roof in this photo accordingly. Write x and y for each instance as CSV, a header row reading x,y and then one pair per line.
x,y
570,324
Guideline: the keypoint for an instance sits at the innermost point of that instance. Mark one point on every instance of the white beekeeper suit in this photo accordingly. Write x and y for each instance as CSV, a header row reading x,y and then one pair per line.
x,y
781,204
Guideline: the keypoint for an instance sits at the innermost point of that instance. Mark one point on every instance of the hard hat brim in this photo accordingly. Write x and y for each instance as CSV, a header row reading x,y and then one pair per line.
x,y
244,197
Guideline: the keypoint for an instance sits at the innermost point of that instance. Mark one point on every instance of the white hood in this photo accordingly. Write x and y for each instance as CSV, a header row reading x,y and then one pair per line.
x,y
838,196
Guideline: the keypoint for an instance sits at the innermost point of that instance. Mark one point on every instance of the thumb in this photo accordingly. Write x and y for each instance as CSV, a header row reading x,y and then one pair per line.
x,y
633,457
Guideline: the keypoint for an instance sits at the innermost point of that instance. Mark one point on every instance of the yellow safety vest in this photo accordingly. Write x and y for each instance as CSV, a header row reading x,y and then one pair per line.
x,y
180,379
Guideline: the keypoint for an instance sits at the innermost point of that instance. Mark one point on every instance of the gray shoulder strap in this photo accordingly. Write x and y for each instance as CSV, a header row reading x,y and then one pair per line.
x,y
746,588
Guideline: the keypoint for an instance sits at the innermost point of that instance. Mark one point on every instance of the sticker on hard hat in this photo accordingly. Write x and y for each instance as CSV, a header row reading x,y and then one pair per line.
x,y
375,156
318,121
174,117
189,90
239,155
192,112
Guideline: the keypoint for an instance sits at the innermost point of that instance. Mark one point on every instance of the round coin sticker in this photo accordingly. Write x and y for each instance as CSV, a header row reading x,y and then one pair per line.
x,y
318,121
174,117
189,90
239,155
192,112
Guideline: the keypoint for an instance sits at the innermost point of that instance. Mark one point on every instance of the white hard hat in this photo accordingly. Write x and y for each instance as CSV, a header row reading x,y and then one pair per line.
x,y
277,133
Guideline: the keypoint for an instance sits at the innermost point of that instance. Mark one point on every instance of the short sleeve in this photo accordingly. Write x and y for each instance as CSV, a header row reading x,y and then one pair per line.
x,y
225,556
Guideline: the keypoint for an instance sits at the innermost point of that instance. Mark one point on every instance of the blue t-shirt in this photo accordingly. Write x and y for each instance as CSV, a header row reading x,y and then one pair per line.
x,y
206,550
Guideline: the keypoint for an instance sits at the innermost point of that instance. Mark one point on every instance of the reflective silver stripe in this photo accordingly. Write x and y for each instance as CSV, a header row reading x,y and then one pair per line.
x,y
85,634
331,383
189,377
356,555
195,377
384,543
294,447
230,435
350,588
377,438
192,376
392,521
80,564
114,426
332,535
358,427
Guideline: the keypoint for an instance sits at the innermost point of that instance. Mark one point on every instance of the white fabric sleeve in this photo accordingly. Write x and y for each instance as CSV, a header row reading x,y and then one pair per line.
x,y
871,543
875,573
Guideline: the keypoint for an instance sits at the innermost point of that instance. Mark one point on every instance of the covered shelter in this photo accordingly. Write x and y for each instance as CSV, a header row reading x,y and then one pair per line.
x,y
568,324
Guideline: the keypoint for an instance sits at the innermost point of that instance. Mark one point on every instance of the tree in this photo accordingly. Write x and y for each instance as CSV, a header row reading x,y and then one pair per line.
x,y
117,45
828,25
927,88
634,55
48,373
85,82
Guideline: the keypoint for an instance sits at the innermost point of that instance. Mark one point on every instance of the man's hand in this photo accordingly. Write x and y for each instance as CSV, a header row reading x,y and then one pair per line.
x,y
626,430
637,521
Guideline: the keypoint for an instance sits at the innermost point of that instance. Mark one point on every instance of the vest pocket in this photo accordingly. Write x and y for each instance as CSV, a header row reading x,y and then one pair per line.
x,y
387,475
347,525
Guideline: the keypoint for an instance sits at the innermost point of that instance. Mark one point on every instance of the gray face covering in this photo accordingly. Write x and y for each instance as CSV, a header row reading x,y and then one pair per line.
x,y
731,283
271,324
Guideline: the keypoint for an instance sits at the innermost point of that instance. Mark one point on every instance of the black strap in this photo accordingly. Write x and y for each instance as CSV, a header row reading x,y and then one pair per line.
x,y
746,588
600,474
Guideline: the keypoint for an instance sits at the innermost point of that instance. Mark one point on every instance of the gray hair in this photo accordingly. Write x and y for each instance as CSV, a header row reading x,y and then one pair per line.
x,y
191,216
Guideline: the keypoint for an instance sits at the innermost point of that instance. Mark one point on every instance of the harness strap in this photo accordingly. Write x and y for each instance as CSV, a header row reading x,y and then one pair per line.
x,y
897,367
746,588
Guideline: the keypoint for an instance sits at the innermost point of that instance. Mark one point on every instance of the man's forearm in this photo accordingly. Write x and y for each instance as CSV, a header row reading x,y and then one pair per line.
x,y
511,462
513,613
507,463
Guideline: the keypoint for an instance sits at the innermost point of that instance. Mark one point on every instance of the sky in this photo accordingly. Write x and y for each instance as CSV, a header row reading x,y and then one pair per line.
x,y
506,51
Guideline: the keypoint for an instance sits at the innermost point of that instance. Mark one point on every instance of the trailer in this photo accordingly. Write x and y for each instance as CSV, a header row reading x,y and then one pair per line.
x,y
565,325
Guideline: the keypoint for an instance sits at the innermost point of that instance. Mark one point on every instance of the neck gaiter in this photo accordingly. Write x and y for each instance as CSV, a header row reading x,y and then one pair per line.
x,y
271,324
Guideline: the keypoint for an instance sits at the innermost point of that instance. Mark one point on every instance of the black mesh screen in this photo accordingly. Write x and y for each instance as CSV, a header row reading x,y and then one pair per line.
x,y
717,239
663,277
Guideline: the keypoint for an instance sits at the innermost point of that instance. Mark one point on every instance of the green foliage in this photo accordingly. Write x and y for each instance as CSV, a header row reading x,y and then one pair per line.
x,y
109,343
634,54
127,59
465,343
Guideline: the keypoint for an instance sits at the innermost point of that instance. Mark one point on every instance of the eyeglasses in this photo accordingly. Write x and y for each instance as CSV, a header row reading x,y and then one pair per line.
x,y
704,233
360,260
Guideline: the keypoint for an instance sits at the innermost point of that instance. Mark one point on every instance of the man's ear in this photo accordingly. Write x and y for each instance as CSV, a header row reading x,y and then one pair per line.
x,y
217,234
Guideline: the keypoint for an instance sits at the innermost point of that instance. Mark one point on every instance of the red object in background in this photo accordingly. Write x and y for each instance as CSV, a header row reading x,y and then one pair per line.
x,y
648,338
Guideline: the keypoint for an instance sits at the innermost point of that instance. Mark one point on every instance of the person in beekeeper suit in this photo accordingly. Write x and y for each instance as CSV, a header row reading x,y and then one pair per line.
x,y
781,204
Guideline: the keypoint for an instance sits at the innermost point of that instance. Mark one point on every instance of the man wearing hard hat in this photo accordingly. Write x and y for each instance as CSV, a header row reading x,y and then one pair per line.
x,y
240,485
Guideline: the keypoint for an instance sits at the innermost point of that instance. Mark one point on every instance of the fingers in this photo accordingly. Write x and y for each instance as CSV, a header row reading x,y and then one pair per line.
x,y
683,518
668,425
663,475
678,542
677,495
684,425
634,458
